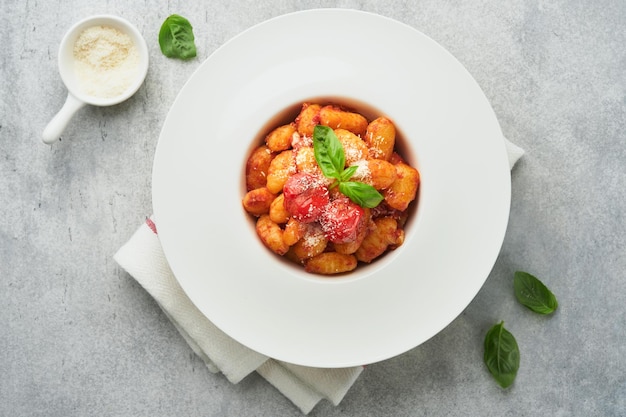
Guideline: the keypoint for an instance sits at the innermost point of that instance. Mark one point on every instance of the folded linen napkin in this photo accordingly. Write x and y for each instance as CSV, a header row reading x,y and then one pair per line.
x,y
142,257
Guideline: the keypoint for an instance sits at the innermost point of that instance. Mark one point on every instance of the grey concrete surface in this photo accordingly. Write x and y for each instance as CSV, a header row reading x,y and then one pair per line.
x,y
79,337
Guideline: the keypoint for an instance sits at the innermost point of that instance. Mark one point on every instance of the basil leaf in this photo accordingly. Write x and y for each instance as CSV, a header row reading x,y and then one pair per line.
x,y
532,293
328,151
348,173
501,355
176,38
331,159
363,194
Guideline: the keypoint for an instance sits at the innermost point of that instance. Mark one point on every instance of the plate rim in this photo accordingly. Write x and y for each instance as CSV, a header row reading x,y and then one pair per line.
x,y
370,358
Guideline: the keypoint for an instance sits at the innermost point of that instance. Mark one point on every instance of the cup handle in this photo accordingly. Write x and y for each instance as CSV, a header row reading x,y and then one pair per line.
x,y
53,131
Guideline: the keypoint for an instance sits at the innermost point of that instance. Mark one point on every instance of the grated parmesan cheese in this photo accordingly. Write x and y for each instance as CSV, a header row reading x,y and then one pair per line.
x,y
314,236
352,153
363,170
107,61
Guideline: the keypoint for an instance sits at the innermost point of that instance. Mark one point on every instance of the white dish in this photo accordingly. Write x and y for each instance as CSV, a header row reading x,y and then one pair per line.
x,y
394,304
77,97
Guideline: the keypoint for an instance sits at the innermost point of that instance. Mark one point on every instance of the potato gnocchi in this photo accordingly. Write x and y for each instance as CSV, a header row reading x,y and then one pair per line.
x,y
301,216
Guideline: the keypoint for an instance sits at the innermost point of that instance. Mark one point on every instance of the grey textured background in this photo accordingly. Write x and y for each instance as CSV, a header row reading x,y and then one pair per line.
x,y
79,336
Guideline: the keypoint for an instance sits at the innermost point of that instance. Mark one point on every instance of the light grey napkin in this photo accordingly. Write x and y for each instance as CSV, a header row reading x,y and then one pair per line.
x,y
143,258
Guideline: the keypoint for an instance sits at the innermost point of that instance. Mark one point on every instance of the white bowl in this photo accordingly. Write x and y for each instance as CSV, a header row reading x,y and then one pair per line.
x,y
451,135
77,97
67,60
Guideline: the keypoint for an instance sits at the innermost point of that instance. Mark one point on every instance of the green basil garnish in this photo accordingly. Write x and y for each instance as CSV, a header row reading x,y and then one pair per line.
x,y
331,159
501,355
532,293
363,194
176,38
348,173
328,151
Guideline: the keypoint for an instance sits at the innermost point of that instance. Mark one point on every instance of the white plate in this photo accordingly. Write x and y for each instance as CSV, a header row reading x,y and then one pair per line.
x,y
453,138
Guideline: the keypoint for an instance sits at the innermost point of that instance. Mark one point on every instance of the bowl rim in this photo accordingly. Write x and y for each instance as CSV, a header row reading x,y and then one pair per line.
x,y
383,322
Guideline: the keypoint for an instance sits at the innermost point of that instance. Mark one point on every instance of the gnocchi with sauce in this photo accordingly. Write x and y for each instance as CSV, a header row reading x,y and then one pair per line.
x,y
302,215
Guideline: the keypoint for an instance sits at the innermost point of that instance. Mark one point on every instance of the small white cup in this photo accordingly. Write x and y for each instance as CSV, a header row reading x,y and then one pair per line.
x,y
76,97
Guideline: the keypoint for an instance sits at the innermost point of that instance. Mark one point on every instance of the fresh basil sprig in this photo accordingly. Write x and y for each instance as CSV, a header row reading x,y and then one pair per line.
x,y
364,196
331,159
501,355
532,293
176,38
